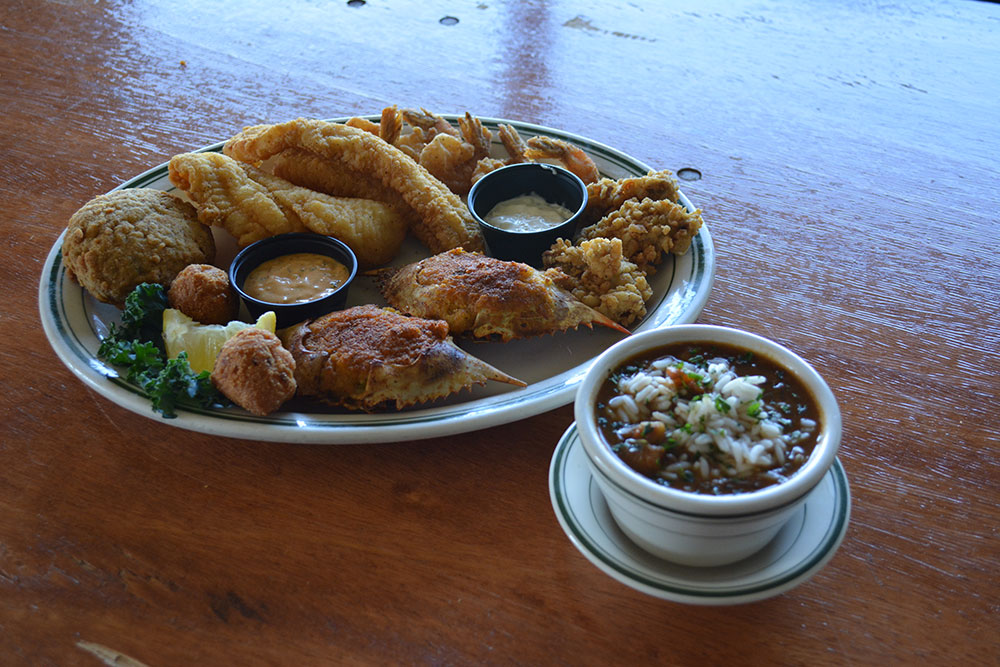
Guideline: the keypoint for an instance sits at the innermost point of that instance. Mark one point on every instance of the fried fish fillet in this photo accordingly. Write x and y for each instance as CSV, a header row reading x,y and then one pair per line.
x,y
484,296
314,172
444,222
372,229
252,205
366,357
227,197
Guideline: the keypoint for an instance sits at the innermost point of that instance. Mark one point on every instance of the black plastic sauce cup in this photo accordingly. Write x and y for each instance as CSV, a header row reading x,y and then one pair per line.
x,y
554,184
288,314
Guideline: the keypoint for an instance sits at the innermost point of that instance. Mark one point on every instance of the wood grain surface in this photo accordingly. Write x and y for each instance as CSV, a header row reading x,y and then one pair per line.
x,y
848,161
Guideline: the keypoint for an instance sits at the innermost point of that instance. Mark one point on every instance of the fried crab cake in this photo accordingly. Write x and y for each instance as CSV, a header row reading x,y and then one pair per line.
x,y
255,372
203,293
126,237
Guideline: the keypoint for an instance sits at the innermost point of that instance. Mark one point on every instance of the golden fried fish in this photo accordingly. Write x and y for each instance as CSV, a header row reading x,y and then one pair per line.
x,y
444,221
312,171
484,296
252,205
372,229
365,357
227,197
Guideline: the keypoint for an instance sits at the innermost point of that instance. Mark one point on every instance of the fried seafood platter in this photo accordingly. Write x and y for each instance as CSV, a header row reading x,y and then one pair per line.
x,y
259,182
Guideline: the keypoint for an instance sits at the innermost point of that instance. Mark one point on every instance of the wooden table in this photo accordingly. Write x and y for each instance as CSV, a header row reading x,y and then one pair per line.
x,y
848,161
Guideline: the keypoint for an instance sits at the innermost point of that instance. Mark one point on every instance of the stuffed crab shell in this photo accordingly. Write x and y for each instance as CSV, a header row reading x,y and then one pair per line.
x,y
366,357
485,297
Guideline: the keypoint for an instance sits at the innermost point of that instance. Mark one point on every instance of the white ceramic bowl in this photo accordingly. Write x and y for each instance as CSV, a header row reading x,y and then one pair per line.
x,y
691,528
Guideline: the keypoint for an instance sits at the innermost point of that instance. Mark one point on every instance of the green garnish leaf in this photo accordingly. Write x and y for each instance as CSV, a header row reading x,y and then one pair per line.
x,y
137,344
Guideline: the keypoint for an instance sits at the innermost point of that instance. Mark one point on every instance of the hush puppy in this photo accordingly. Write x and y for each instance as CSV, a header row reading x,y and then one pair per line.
x,y
126,237
203,293
255,372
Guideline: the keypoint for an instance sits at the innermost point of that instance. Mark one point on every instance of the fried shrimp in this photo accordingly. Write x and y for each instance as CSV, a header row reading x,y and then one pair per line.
x,y
569,156
454,159
539,149
391,125
444,222
430,123
450,160
513,144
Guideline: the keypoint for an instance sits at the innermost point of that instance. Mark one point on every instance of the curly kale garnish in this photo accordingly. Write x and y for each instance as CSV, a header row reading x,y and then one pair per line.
x,y
142,318
137,344
177,383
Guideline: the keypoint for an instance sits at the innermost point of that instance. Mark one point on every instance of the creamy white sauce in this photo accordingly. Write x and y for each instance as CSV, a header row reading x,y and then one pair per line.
x,y
527,213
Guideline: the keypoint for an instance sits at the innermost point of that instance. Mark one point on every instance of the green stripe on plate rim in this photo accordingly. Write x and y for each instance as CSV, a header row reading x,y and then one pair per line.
x,y
828,541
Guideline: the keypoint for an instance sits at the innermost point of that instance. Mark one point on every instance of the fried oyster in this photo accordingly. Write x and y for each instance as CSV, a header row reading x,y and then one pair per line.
x,y
483,296
367,357
647,229
597,273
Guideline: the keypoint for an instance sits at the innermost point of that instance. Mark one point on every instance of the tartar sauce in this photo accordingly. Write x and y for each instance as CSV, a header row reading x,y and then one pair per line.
x,y
527,213
295,278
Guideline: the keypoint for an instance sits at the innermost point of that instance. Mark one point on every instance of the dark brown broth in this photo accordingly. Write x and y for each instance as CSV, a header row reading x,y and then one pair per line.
x,y
781,390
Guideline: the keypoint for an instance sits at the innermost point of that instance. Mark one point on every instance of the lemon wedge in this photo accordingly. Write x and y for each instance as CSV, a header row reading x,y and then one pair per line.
x,y
202,342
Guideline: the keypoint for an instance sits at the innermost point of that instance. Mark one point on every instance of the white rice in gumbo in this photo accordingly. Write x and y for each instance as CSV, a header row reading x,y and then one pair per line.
x,y
708,418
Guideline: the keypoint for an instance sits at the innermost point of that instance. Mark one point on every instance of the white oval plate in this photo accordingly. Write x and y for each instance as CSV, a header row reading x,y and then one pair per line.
x,y
800,550
552,366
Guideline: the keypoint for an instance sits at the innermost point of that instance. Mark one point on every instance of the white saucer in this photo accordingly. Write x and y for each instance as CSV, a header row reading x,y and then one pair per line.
x,y
799,551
